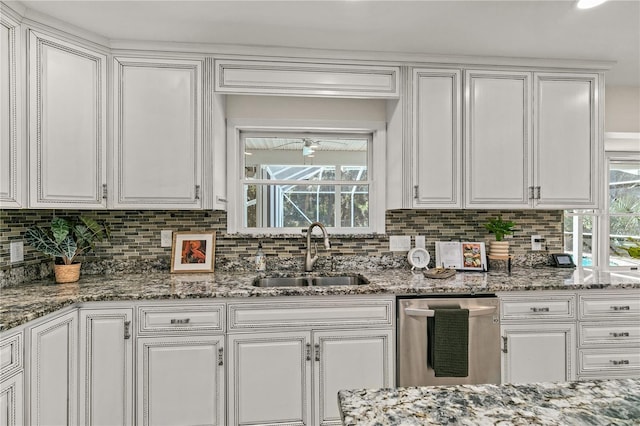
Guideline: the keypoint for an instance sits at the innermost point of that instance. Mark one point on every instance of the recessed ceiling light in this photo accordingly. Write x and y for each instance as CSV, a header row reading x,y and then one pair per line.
x,y
588,4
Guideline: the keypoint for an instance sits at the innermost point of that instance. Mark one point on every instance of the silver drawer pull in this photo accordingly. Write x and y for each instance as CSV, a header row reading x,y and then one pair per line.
x,y
545,309
623,334
620,308
180,321
308,352
621,362
473,312
220,356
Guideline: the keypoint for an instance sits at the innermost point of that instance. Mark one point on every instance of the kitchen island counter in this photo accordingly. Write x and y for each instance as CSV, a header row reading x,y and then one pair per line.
x,y
599,402
24,303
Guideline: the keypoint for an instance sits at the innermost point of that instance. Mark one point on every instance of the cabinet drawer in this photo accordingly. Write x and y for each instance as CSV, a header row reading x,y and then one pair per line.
x,y
10,355
181,318
333,313
610,333
610,307
547,307
610,361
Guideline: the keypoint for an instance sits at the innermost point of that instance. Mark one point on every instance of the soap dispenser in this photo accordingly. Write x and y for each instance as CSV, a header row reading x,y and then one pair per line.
x,y
261,259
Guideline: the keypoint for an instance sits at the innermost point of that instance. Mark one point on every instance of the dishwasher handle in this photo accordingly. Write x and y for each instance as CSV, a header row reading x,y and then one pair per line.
x,y
473,312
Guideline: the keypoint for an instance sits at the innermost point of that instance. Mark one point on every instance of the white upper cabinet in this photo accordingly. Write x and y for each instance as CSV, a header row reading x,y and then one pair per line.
x,y
437,147
67,124
566,145
497,139
158,133
11,141
307,79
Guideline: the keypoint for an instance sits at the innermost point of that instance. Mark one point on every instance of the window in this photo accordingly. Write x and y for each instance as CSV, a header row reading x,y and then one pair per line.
x,y
289,178
622,212
610,238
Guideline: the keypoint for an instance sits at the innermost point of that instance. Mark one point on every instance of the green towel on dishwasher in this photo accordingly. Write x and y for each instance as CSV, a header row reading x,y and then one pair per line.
x,y
448,341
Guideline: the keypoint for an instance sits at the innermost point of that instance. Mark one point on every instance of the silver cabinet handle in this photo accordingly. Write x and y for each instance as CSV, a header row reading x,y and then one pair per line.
x,y
537,192
531,196
621,334
180,321
620,362
104,191
221,356
620,308
197,195
308,352
317,348
127,330
473,312
504,344
545,309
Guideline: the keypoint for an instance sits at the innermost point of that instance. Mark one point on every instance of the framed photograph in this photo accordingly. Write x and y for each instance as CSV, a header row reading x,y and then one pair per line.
x,y
193,251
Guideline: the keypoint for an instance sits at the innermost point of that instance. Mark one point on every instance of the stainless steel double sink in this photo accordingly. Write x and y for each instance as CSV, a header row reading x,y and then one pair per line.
x,y
310,281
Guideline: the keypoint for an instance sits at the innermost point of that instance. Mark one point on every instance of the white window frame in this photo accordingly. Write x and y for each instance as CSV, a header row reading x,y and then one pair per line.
x,y
235,168
604,228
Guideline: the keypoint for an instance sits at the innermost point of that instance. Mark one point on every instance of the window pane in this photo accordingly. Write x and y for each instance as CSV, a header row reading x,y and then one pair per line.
x,y
579,238
624,187
624,240
313,158
354,205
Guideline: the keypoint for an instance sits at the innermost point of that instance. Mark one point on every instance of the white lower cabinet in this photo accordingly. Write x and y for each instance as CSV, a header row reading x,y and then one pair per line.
x,y
289,358
538,337
538,352
53,371
609,334
294,377
180,380
12,401
271,378
106,367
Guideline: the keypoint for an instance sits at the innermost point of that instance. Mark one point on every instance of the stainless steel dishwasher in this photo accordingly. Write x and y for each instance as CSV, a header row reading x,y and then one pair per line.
x,y
484,339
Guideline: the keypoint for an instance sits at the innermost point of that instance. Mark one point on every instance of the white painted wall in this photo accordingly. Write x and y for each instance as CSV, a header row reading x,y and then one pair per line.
x,y
622,109
281,107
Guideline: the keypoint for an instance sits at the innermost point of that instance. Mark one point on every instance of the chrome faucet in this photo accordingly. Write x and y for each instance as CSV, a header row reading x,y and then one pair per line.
x,y
308,259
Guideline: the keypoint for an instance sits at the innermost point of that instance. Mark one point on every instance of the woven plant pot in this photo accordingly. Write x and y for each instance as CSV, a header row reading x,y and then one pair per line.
x,y
499,248
67,273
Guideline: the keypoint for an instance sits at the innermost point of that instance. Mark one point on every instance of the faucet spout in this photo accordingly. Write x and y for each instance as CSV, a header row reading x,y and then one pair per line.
x,y
310,260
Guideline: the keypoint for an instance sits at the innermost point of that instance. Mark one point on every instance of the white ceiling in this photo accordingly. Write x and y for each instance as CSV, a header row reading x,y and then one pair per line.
x,y
553,29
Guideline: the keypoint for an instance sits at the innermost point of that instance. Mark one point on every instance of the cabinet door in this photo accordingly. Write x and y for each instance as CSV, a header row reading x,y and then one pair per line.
x,y
497,145
106,367
180,380
157,136
437,138
567,133
271,378
11,141
53,369
349,360
12,401
538,352
67,124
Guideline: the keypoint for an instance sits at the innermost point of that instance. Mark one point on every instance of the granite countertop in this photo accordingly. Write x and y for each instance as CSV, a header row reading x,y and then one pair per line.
x,y
26,302
599,402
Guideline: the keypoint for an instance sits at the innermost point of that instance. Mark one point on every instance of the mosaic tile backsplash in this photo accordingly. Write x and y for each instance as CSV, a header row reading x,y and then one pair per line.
x,y
134,246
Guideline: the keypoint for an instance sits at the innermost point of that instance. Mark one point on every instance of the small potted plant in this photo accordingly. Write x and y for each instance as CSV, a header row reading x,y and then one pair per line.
x,y
499,228
65,240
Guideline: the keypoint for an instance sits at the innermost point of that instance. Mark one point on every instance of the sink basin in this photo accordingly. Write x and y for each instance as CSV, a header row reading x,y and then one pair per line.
x,y
282,282
310,281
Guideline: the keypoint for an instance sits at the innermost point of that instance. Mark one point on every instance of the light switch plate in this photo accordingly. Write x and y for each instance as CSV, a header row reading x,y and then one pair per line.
x,y
536,242
16,251
399,242
166,238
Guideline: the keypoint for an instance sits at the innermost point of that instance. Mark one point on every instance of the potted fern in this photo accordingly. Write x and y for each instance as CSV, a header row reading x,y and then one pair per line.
x,y
65,240
499,228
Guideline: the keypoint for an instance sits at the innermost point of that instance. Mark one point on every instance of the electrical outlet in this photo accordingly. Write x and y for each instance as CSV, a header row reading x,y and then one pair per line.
x,y
399,242
536,242
420,241
166,238
16,251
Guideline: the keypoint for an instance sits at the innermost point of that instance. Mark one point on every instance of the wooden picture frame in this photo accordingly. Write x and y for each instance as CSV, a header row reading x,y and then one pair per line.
x,y
193,251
